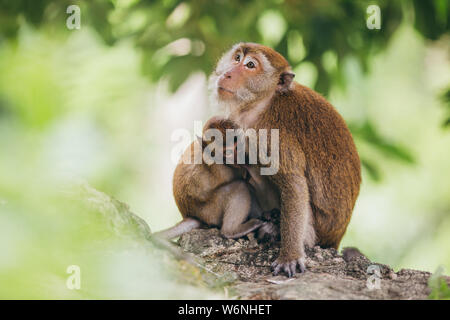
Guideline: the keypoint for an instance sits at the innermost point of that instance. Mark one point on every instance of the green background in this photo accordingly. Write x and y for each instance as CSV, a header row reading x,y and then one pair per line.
x,y
99,104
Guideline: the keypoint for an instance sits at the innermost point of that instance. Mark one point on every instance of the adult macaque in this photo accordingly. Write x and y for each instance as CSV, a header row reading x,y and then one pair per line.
x,y
318,174
211,193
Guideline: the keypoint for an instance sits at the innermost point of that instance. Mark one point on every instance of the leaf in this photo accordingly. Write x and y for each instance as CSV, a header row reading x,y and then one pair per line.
x,y
438,285
446,100
372,169
368,133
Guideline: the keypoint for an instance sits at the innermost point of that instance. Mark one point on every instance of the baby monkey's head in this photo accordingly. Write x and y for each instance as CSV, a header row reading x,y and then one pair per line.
x,y
219,141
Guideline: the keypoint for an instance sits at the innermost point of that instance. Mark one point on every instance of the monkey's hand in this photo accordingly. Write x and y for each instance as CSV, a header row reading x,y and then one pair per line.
x,y
268,232
272,216
289,267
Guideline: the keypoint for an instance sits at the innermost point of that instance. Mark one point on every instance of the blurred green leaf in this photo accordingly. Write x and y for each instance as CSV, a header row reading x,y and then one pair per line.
x,y
368,133
432,17
372,169
446,100
438,285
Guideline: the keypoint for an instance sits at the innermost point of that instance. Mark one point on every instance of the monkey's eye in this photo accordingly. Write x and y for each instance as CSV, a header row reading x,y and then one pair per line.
x,y
237,57
250,65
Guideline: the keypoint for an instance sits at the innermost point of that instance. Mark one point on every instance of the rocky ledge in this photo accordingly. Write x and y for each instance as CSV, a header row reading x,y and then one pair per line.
x,y
330,275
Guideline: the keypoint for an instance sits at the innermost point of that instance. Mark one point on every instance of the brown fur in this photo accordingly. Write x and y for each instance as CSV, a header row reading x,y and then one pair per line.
x,y
215,195
324,154
319,169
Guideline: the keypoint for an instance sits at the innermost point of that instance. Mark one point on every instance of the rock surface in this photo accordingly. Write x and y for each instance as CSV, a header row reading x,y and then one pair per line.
x,y
329,276
243,265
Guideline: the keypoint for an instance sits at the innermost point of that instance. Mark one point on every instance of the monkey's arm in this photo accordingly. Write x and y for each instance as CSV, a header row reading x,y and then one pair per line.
x,y
264,190
296,225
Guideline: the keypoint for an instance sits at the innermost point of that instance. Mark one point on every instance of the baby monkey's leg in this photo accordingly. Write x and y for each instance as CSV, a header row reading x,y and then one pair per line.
x,y
237,200
180,228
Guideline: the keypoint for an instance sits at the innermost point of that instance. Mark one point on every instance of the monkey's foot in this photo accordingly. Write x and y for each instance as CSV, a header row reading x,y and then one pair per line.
x,y
289,267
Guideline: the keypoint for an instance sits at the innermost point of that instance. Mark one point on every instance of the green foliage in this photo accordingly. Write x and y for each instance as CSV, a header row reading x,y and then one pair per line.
x,y
74,103
439,287
440,291
209,27
177,38
369,134
446,100
49,230
432,18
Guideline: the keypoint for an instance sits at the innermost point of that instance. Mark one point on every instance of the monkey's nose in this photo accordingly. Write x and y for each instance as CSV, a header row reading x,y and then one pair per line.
x,y
227,75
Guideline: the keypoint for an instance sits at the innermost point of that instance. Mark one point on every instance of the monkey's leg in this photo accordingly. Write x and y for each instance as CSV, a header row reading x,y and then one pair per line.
x,y
180,228
296,225
255,208
242,229
237,210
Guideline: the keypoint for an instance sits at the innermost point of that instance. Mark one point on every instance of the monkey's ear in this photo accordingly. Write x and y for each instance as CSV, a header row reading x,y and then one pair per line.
x,y
285,81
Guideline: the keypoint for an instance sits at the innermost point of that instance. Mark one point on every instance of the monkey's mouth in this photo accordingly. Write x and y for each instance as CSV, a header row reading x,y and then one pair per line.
x,y
222,89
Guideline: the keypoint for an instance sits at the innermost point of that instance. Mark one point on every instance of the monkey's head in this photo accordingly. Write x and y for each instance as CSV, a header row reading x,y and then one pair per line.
x,y
247,73
215,139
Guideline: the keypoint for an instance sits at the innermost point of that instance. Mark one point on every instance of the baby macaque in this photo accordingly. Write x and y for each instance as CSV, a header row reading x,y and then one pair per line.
x,y
210,193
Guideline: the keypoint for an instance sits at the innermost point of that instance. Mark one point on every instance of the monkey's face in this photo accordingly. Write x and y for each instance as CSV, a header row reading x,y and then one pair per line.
x,y
215,145
243,75
217,152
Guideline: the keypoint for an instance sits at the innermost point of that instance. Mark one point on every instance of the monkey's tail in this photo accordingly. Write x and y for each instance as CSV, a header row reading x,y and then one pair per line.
x,y
180,228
